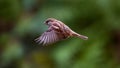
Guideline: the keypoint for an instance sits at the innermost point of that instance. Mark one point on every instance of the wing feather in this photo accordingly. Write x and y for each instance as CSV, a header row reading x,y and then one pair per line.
x,y
52,34
54,37
48,37
45,40
51,39
42,39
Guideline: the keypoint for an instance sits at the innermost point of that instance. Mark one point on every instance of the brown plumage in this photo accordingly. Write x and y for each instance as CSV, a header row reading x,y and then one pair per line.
x,y
57,30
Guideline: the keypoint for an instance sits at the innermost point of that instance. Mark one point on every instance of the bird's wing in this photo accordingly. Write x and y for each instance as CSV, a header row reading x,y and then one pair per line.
x,y
48,37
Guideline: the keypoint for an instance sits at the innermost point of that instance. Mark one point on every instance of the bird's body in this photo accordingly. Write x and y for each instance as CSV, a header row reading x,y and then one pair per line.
x,y
57,31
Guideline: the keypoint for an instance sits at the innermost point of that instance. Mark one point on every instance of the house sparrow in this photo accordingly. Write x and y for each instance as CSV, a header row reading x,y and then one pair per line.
x,y
57,31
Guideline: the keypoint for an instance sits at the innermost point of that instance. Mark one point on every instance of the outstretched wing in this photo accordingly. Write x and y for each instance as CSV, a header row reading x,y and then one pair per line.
x,y
48,37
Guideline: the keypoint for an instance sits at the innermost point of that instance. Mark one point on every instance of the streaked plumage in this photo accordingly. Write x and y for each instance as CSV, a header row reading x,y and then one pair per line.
x,y
57,31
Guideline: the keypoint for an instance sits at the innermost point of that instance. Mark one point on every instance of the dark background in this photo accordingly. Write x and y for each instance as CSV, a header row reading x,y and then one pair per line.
x,y
21,21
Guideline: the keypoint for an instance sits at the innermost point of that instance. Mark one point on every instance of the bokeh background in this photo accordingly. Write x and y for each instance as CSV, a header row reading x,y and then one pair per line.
x,y
21,21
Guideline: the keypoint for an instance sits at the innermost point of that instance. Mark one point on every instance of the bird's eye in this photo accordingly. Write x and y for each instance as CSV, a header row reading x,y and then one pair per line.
x,y
49,21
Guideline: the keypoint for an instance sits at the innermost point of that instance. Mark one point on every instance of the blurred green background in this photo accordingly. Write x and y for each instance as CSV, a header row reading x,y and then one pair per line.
x,y
21,21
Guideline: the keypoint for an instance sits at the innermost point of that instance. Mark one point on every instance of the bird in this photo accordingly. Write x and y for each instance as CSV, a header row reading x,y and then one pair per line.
x,y
57,31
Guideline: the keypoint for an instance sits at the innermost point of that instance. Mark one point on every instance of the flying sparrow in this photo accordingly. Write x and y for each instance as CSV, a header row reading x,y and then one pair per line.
x,y
57,31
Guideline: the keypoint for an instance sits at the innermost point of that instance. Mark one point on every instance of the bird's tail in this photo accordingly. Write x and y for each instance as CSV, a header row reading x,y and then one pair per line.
x,y
80,36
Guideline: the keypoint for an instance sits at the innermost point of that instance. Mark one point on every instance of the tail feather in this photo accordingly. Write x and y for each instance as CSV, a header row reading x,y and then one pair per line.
x,y
80,36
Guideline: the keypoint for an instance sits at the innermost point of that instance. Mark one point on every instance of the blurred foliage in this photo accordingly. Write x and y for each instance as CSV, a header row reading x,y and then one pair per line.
x,y
21,21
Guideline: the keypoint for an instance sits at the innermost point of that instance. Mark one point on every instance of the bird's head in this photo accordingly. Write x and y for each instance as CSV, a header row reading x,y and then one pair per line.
x,y
50,21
